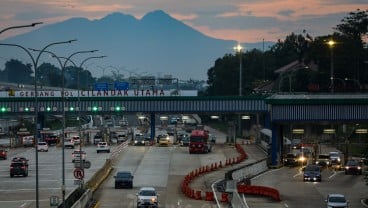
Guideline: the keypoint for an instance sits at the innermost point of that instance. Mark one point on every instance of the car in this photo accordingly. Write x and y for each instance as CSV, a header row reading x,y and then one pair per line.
x,y
335,158
353,167
296,143
3,153
69,143
139,140
97,138
103,147
364,159
123,179
212,138
28,141
323,160
336,201
291,159
76,155
164,140
185,140
121,137
312,173
42,147
52,139
76,140
18,166
147,197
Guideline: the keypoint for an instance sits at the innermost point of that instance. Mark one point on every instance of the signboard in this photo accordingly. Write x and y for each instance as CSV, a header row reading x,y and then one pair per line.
x,y
121,85
78,173
54,201
99,93
101,86
78,182
85,164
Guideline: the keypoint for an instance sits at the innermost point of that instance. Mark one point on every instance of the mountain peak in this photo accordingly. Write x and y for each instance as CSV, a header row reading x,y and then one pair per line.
x,y
156,16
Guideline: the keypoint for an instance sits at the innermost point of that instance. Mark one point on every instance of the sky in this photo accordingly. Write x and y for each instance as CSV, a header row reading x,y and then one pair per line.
x,y
239,20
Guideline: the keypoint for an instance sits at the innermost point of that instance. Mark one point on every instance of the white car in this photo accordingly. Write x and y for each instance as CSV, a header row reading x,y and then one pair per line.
x,y
147,197
336,200
103,147
69,142
42,147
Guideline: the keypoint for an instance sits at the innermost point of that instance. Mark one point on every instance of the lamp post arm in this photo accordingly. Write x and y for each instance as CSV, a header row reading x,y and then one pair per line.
x,y
21,26
92,57
25,49
75,53
51,44
52,54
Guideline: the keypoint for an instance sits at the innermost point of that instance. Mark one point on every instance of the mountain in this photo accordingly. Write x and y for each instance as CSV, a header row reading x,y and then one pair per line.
x,y
156,44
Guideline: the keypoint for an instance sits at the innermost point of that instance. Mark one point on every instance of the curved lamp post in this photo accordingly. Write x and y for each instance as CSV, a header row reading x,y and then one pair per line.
x,y
63,65
35,63
356,82
21,26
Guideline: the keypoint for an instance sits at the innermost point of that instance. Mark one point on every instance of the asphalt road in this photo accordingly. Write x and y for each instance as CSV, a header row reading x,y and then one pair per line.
x,y
20,192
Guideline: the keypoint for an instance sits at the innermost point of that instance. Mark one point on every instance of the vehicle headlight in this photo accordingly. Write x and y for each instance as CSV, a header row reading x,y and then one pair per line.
x,y
135,141
153,199
167,138
347,168
338,159
359,167
302,159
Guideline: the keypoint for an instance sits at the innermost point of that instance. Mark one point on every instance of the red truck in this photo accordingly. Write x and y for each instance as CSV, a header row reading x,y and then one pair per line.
x,y
199,142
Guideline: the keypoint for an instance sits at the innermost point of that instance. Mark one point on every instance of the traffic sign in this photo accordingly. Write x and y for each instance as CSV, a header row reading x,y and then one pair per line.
x,y
101,86
78,173
85,164
121,85
54,201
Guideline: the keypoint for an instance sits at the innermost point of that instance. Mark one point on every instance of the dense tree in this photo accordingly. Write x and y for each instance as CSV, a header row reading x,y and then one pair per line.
x,y
17,72
49,75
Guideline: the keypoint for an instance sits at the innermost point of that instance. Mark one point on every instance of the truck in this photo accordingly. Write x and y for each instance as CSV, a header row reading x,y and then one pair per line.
x,y
199,142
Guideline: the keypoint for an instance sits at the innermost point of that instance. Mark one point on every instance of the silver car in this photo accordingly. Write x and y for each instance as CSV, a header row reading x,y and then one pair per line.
x,y
147,197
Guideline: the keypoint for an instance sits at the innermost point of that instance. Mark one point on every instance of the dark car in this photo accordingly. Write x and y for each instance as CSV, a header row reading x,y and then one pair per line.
x,y
19,166
312,173
123,179
185,140
3,153
291,159
353,167
139,140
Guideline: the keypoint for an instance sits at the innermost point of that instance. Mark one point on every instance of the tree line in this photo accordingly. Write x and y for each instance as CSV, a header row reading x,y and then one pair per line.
x,y
313,61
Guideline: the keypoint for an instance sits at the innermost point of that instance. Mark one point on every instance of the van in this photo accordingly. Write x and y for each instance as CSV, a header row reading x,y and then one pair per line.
x,y
28,141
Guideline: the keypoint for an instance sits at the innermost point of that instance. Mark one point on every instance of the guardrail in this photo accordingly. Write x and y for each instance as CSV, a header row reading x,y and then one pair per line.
x,y
81,198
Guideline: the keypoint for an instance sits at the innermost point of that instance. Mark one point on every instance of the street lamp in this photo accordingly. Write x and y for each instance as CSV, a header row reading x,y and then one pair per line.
x,y
79,107
35,63
238,48
21,26
63,65
331,44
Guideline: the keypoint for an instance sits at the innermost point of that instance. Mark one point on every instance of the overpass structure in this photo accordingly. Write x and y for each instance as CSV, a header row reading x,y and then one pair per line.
x,y
278,109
